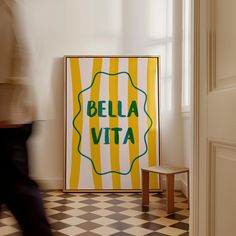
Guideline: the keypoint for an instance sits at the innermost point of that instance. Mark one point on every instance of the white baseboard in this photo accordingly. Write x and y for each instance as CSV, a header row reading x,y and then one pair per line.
x,y
52,184
178,185
49,184
184,187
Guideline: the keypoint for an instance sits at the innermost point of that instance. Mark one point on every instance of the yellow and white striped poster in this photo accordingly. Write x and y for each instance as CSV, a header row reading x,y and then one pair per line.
x,y
111,122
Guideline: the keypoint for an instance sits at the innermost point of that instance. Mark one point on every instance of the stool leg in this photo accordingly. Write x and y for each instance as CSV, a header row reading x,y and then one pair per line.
x,y
188,187
160,181
170,194
145,187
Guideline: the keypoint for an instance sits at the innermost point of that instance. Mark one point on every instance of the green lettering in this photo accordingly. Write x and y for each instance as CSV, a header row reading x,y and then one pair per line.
x,y
133,109
96,138
116,134
107,138
129,135
120,109
110,109
91,108
101,108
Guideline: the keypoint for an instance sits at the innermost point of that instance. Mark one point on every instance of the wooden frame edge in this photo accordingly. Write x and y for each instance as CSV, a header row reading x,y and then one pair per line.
x,y
64,121
194,173
109,191
65,57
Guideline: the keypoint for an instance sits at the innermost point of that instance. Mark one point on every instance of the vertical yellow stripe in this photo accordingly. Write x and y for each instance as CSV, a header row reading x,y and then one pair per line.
x,y
114,121
94,123
133,122
76,88
151,109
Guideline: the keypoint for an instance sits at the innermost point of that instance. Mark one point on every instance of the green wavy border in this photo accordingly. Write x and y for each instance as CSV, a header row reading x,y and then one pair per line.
x,y
144,107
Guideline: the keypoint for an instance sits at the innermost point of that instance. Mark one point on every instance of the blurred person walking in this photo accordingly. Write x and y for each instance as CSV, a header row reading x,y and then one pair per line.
x,y
17,190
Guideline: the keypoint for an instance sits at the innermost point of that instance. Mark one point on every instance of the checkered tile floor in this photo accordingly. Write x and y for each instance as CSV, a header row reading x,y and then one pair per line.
x,y
93,214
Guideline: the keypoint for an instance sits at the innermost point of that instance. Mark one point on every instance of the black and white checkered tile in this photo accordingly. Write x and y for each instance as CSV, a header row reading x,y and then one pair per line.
x,y
93,214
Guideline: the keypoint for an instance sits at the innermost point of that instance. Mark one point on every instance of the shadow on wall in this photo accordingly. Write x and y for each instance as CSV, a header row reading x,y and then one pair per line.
x,y
47,141
57,80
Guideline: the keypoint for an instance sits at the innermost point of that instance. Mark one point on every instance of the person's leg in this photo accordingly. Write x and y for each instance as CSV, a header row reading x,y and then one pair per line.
x,y
22,195
26,205
2,168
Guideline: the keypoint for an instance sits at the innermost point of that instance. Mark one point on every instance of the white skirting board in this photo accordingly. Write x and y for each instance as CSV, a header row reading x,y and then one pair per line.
x,y
180,185
184,187
49,184
57,184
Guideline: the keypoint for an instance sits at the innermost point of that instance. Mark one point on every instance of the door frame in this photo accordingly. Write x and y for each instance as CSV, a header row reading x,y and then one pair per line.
x,y
195,119
201,201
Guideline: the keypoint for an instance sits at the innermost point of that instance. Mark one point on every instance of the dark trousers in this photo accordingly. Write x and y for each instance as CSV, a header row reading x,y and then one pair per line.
x,y
17,190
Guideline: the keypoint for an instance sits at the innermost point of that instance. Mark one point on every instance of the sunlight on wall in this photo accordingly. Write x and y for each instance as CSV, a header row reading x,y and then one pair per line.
x,y
148,30
91,27
160,13
160,31
187,59
95,26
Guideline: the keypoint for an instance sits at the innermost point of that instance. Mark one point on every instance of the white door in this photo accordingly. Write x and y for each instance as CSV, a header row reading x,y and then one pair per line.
x,y
214,162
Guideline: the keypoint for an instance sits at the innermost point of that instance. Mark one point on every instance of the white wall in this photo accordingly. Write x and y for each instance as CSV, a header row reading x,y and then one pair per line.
x,y
186,119
105,27
187,72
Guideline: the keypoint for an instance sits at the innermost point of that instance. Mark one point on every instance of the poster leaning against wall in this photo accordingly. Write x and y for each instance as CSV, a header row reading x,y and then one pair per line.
x,y
111,122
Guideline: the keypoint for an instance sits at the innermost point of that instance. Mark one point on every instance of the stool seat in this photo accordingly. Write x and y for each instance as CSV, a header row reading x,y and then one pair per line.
x,y
170,172
166,170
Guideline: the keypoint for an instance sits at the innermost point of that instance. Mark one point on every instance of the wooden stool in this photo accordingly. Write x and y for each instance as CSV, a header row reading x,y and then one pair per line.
x,y
170,172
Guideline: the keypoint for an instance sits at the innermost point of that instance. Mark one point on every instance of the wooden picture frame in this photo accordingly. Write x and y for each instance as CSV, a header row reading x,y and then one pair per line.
x,y
111,122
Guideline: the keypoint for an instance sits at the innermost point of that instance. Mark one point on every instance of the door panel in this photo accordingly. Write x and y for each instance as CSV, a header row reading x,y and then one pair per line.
x,y
216,118
225,42
222,175
225,166
222,114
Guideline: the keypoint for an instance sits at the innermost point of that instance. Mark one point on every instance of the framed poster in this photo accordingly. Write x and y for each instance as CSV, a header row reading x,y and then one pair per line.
x,y
111,122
